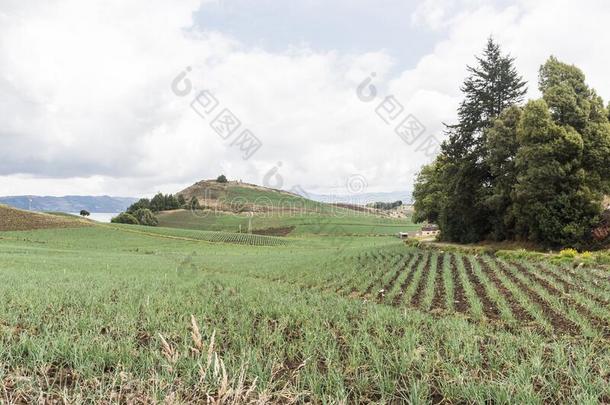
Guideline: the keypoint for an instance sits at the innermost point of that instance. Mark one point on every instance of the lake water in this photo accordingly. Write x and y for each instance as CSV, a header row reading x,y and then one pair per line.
x,y
100,216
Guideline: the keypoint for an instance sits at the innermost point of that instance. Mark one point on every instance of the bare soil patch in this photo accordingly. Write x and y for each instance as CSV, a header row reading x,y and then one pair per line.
x,y
12,219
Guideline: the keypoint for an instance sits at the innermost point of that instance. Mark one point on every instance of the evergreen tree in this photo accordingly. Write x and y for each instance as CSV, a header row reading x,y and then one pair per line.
x,y
493,86
552,204
157,203
502,147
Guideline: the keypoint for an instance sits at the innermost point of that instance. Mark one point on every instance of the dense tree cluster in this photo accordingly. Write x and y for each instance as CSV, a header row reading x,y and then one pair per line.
x,y
143,211
536,173
160,202
385,206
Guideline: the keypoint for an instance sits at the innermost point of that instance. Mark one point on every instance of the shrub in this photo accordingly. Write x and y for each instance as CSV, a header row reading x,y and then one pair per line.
x,y
572,253
146,217
125,218
194,204
84,213
222,179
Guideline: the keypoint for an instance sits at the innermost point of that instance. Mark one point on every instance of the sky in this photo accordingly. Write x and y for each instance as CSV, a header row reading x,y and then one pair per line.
x,y
132,97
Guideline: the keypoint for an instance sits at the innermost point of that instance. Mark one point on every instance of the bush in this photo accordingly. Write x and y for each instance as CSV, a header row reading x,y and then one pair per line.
x,y
222,179
146,217
84,213
194,204
571,253
125,218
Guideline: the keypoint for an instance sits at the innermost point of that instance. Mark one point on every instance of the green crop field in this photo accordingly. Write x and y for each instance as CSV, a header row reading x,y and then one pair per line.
x,y
343,222
121,314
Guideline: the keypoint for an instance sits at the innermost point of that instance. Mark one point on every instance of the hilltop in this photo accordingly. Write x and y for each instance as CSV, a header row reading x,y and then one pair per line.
x,y
241,207
236,196
12,219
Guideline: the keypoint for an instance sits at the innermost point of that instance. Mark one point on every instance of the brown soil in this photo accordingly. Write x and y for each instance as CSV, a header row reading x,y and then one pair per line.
x,y
569,287
405,284
489,308
459,297
438,302
517,310
282,231
600,324
400,267
421,287
558,321
12,219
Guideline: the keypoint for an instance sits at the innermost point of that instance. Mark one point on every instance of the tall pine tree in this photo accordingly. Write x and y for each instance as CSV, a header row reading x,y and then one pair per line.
x,y
492,86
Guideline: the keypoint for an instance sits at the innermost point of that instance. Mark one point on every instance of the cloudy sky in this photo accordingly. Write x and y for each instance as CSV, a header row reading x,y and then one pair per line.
x,y
130,97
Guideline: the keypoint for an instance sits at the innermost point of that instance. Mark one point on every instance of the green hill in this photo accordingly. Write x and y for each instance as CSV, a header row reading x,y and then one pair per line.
x,y
241,207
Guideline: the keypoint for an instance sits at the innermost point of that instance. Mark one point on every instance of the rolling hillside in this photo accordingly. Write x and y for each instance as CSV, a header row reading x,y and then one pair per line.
x,y
240,207
12,219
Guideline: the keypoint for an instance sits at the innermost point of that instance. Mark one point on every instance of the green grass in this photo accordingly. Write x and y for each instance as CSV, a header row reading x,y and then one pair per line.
x,y
103,313
342,222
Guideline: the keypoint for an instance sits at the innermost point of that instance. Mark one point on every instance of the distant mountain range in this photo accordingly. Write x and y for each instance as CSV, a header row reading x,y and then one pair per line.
x,y
107,204
363,198
70,203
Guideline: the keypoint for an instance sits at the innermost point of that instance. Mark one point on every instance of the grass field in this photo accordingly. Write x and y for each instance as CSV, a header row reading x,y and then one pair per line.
x,y
343,222
130,314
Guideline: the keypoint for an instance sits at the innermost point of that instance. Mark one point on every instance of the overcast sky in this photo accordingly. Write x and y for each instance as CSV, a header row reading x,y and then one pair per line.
x,y
92,101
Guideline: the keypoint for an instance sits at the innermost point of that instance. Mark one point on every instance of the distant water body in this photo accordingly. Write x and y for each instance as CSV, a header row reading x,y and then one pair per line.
x,y
100,216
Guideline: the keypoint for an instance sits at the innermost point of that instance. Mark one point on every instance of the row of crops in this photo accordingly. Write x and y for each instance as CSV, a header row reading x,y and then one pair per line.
x,y
208,236
544,297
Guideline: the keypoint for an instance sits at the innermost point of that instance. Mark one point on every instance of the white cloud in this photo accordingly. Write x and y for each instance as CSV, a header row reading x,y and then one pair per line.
x,y
86,105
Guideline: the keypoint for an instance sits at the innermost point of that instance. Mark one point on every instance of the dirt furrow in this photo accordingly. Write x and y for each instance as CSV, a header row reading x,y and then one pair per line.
x,y
557,320
600,324
438,302
405,284
374,277
399,269
569,286
459,295
490,310
423,281
517,310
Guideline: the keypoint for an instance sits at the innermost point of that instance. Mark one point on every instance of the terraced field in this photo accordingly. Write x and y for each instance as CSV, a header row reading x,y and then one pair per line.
x,y
545,298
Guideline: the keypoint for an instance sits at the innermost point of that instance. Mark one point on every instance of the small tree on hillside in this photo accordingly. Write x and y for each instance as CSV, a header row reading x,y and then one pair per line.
x,y
194,204
84,213
222,179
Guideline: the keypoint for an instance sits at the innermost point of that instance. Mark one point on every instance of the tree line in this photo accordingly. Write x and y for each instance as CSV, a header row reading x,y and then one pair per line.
x,y
143,211
385,205
536,172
